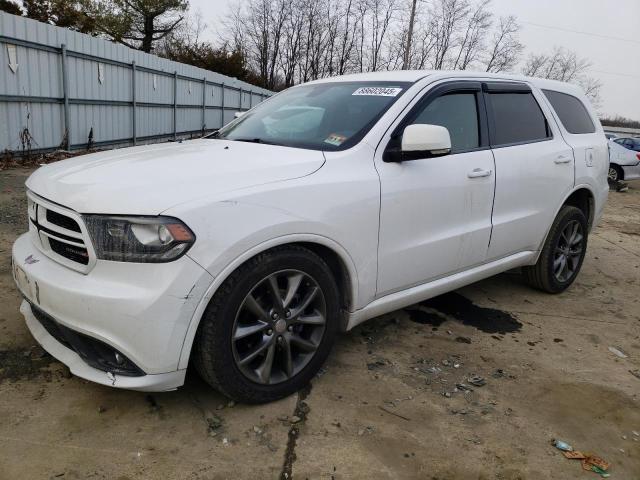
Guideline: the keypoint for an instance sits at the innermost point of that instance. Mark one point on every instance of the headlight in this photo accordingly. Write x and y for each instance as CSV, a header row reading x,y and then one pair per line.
x,y
139,239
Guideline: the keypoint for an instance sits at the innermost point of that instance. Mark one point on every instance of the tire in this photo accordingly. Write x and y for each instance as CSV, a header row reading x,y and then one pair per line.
x,y
246,301
548,274
615,173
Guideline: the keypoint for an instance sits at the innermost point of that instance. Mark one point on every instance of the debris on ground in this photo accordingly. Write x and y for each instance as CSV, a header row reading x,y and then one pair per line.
x,y
560,445
463,387
476,381
366,430
214,424
617,352
376,365
618,185
635,373
588,461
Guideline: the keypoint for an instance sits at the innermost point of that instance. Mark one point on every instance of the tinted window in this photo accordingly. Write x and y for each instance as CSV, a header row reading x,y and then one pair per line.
x,y
517,118
459,114
572,112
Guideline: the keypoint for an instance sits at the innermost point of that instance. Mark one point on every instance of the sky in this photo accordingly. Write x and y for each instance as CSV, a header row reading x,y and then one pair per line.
x,y
603,31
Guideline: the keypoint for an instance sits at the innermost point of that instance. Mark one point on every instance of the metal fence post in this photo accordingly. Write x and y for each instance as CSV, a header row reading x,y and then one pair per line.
x,y
133,101
175,105
204,104
65,95
222,106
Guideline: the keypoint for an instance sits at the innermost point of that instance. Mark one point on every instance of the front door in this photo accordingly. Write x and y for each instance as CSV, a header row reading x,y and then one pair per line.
x,y
435,213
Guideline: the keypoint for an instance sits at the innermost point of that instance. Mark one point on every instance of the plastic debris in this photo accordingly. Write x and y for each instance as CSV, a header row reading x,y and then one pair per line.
x,y
559,444
617,352
588,461
635,373
596,464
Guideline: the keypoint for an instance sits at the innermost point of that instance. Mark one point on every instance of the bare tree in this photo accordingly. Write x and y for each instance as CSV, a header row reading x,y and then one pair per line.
x,y
472,42
290,41
505,47
565,66
380,18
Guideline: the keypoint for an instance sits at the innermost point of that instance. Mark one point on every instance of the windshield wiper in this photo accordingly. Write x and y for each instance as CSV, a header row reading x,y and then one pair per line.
x,y
214,134
254,140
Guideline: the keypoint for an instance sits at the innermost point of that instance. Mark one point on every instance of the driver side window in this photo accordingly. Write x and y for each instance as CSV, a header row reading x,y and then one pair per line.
x,y
458,112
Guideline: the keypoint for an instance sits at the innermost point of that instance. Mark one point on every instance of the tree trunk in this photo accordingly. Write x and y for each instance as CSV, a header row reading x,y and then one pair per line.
x,y
407,47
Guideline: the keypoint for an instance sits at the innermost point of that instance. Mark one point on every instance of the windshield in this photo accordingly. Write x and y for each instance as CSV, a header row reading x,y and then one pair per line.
x,y
325,116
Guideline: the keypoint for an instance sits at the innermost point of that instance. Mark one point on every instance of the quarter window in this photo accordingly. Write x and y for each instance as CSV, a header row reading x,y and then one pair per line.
x,y
517,118
571,111
458,112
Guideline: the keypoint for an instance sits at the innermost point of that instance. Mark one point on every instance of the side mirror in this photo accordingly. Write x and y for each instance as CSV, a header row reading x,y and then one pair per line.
x,y
238,114
425,141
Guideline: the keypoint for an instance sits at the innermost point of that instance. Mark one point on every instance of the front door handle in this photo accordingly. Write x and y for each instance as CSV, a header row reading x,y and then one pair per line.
x,y
562,159
479,172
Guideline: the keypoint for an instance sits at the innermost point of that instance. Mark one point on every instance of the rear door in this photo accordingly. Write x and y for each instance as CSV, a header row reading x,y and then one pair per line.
x,y
534,167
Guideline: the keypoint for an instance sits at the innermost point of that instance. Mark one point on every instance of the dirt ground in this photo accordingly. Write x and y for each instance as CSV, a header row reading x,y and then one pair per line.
x,y
385,406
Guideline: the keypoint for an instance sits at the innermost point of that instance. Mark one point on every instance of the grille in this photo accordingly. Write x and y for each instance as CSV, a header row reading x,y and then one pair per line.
x,y
62,221
76,254
57,231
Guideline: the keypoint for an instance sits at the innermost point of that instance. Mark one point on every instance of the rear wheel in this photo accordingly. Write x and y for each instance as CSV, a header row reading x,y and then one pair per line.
x,y
615,173
563,253
270,326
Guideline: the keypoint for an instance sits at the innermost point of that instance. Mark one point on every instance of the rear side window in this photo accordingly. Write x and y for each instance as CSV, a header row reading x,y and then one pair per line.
x,y
632,144
517,118
572,112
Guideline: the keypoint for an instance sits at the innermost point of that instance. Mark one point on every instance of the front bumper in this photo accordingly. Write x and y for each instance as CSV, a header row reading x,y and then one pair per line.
x,y
141,310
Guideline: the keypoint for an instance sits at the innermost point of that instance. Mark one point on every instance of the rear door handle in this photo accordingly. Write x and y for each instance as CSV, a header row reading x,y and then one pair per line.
x,y
479,172
562,159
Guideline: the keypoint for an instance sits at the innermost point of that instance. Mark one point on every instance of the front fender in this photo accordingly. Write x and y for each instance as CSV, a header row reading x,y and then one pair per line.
x,y
238,260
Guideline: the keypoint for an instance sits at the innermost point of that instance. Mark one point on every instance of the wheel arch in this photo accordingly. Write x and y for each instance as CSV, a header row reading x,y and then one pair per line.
x,y
336,257
582,197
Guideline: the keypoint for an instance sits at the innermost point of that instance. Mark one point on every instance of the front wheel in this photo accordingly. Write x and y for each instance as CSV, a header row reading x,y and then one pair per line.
x,y
563,253
270,327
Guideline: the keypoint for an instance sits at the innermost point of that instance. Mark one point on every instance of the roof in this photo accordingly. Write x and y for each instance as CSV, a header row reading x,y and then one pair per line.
x,y
415,75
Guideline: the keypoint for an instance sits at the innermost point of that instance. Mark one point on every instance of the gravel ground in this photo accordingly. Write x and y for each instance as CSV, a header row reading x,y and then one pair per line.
x,y
385,406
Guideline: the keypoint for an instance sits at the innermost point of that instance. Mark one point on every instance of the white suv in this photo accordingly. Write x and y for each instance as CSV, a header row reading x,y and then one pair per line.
x,y
329,204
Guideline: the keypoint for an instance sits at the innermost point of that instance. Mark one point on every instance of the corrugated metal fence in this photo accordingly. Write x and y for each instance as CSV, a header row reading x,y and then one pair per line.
x,y
64,87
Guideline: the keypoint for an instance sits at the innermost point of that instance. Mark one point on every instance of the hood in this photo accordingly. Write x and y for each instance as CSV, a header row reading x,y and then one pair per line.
x,y
149,179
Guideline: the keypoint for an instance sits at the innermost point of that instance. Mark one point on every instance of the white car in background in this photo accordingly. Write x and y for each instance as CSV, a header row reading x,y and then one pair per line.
x,y
333,202
624,158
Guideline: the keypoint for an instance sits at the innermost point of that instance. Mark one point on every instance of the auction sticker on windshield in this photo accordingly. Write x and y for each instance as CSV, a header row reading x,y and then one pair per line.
x,y
378,91
335,139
